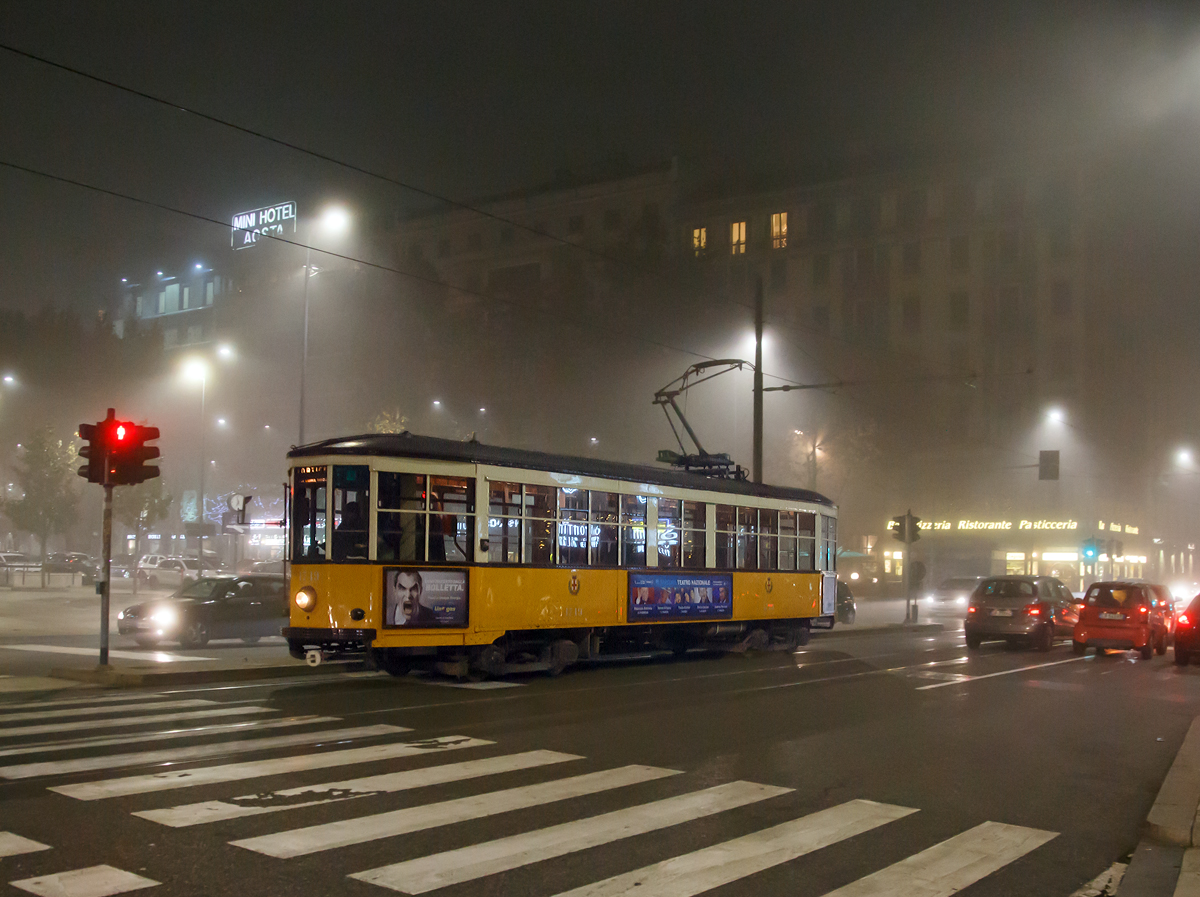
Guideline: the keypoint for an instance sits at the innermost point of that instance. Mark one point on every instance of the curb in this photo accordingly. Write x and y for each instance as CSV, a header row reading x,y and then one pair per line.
x,y
847,630
108,677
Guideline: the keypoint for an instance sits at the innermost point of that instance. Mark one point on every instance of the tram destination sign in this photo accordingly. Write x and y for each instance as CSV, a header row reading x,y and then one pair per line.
x,y
274,221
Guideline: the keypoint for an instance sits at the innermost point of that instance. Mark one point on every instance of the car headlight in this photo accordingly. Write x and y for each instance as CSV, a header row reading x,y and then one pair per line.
x,y
165,616
121,615
962,600
306,598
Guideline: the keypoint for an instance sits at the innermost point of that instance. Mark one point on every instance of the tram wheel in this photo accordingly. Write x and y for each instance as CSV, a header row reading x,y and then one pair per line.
x,y
392,662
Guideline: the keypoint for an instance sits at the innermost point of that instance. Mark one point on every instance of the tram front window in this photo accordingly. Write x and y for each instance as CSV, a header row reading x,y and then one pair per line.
x,y
350,508
308,515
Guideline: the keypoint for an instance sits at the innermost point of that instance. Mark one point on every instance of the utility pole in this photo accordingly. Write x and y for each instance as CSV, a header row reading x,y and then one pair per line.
x,y
756,472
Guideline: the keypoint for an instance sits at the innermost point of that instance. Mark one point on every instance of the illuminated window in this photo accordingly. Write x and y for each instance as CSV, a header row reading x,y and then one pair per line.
x,y
779,230
699,240
737,237
186,296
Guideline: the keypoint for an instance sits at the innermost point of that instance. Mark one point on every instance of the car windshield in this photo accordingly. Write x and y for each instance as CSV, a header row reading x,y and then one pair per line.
x,y
203,588
1115,595
1007,588
958,585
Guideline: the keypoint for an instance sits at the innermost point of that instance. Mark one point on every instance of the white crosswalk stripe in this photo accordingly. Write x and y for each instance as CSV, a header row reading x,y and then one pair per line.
x,y
84,699
60,712
947,868
493,847
233,772
703,870
13,845
84,725
273,802
469,863
300,842
94,881
195,752
257,725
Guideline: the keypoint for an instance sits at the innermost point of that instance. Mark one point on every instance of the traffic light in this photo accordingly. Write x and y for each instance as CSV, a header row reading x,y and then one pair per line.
x,y
1090,550
914,532
116,452
905,528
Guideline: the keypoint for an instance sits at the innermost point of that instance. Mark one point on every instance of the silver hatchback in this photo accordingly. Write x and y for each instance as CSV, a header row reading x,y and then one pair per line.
x,y
1029,610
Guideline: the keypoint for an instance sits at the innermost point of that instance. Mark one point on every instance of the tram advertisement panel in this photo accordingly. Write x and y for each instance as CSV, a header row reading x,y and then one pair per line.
x,y
418,598
680,596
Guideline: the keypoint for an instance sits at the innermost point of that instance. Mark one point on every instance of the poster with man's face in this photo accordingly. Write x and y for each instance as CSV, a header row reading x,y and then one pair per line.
x,y
424,598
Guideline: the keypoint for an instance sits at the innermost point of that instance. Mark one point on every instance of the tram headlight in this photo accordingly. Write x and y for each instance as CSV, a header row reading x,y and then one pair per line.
x,y
306,598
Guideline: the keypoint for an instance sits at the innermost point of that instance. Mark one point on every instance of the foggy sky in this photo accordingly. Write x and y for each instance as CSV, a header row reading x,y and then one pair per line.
x,y
467,99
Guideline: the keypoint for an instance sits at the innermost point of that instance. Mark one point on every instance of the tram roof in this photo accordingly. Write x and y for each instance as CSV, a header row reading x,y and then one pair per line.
x,y
409,445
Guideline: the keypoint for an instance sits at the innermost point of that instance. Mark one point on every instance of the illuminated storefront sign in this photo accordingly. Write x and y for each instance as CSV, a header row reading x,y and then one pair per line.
x,y
994,525
275,221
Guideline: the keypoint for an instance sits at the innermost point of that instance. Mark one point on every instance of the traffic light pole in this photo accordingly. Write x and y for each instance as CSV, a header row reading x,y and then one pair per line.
x,y
757,465
106,586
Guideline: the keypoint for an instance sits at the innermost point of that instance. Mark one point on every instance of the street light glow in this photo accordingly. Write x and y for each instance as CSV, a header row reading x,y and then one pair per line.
x,y
196,370
199,267
1056,416
335,220
220,421
437,404
9,379
1184,457
225,350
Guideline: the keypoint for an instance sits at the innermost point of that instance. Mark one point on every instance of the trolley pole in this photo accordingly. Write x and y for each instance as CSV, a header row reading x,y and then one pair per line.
x,y
757,465
106,584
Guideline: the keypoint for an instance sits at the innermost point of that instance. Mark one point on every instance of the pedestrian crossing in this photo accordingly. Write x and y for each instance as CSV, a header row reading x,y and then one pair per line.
x,y
482,793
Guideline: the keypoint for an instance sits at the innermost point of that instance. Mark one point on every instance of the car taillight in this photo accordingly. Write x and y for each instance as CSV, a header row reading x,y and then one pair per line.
x,y
1183,620
972,609
1034,610
1143,609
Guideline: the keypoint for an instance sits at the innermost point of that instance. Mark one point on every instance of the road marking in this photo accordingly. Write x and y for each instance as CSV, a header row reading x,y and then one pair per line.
x,y
702,870
151,656
234,772
12,845
274,801
83,699
315,838
1035,666
473,686
103,711
469,863
50,747
94,881
80,725
192,752
952,865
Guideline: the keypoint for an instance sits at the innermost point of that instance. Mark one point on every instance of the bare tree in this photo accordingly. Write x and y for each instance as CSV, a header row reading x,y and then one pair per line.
x,y
46,476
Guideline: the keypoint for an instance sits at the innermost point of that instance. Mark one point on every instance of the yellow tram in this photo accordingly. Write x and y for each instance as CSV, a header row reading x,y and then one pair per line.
x,y
413,551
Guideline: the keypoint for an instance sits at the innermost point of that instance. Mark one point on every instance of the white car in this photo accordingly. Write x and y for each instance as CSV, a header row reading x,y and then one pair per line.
x,y
171,573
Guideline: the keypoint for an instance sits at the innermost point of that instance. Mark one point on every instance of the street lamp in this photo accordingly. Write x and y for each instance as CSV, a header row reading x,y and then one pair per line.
x,y
334,222
196,371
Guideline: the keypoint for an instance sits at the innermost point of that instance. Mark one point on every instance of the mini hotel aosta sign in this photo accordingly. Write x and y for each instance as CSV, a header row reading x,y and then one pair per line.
x,y
274,221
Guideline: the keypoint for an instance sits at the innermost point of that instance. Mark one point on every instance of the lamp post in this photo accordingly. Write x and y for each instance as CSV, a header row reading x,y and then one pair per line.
x,y
196,370
333,222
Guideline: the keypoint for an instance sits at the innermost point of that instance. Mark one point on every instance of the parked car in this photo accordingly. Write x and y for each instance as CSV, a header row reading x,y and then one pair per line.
x,y
1187,633
213,607
953,593
1121,615
1165,603
268,567
14,560
845,603
172,573
69,562
1030,610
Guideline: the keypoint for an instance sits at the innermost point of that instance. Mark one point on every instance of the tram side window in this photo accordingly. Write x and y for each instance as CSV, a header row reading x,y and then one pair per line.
x,y
668,532
633,530
829,541
768,540
573,527
787,540
308,515
451,519
540,511
806,553
694,537
504,523
726,537
351,504
402,518
747,539
603,529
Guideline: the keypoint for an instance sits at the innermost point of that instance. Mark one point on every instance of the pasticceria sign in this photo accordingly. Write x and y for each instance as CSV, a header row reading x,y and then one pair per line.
x,y
993,525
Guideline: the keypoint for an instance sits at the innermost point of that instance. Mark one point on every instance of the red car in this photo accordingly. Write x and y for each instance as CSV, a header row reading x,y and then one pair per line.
x,y
1121,615
1187,633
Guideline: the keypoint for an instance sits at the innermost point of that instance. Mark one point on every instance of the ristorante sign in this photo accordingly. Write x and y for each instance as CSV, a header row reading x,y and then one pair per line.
x,y
994,525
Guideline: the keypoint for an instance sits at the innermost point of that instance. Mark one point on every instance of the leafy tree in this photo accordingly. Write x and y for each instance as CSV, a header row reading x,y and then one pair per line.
x,y
388,422
139,508
46,476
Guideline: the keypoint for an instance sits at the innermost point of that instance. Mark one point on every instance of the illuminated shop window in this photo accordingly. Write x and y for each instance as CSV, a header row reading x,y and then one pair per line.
x,y
737,237
699,241
779,230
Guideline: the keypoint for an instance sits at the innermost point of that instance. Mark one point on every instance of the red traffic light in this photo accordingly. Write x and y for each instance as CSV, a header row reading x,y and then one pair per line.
x,y
116,452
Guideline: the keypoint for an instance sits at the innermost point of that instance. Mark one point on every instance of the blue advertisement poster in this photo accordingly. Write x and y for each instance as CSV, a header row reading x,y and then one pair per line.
x,y
680,596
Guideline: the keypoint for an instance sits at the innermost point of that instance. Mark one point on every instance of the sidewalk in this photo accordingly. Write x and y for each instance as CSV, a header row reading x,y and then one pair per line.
x,y
1167,860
